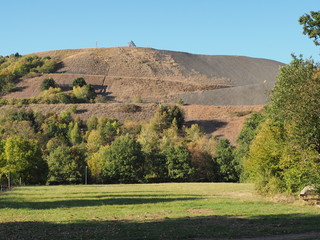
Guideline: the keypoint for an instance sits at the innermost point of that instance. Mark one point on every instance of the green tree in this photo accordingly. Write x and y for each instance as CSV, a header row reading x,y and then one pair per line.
x,y
23,159
123,161
78,82
48,83
165,116
263,162
285,154
84,93
95,140
178,161
295,102
311,26
3,161
75,134
92,123
225,159
155,163
96,164
66,165
109,129
247,134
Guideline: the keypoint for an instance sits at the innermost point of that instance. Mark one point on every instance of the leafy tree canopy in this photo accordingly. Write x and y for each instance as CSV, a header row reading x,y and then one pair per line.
x,y
311,26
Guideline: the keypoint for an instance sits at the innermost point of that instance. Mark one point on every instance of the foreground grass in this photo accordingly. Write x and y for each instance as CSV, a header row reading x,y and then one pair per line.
x,y
148,211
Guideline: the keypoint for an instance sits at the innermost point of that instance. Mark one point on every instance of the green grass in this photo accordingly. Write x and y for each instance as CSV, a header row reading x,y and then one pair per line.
x,y
149,211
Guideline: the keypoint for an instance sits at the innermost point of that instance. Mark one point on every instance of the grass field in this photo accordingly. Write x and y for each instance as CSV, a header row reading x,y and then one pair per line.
x,y
149,211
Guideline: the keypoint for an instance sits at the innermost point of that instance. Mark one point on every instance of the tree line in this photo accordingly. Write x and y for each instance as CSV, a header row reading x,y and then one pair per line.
x,y
53,148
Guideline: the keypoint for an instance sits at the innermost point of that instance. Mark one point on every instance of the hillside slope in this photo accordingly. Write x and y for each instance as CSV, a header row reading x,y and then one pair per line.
x,y
216,121
157,75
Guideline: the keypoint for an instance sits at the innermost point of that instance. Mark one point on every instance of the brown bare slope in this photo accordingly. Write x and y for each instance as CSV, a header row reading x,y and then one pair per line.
x,y
158,75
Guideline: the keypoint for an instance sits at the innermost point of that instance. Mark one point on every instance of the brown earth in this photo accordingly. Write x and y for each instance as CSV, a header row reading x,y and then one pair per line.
x,y
156,75
219,91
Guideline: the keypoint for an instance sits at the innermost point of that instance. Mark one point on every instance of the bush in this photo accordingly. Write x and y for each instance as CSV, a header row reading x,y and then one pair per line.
x,y
130,108
47,83
78,82
84,93
102,99
165,115
180,101
54,96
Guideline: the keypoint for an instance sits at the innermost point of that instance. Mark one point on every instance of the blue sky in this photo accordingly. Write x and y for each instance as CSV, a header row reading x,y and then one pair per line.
x,y
263,29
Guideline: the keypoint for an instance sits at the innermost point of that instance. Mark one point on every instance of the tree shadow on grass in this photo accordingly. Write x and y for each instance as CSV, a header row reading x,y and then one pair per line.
x,y
213,227
97,201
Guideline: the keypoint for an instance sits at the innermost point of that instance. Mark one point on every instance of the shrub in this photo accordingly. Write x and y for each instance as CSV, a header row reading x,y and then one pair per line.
x,y
180,102
102,99
165,115
54,96
130,108
84,93
47,83
78,82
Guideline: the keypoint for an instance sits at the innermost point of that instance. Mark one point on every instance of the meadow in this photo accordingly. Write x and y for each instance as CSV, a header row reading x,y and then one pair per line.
x,y
150,211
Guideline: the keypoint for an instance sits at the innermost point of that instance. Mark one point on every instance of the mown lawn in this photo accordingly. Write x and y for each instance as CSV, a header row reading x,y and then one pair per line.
x,y
149,211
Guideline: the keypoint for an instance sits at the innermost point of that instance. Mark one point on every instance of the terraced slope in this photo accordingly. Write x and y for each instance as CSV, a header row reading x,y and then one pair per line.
x,y
156,75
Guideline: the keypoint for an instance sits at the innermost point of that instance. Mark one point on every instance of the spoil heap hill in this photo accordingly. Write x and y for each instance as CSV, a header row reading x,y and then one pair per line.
x,y
156,75
124,73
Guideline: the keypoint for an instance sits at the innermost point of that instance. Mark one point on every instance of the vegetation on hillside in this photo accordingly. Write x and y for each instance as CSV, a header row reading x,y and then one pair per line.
x,y
51,93
15,66
56,149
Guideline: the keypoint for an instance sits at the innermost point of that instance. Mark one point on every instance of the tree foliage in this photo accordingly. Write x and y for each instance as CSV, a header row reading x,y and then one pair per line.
x,y
247,134
123,160
178,162
23,159
113,152
311,26
285,154
84,93
78,82
227,164
66,165
15,66
47,83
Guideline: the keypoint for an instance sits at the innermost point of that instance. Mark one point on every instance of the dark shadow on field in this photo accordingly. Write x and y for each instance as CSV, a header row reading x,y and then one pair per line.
x,y
213,227
65,87
99,200
19,89
80,111
208,126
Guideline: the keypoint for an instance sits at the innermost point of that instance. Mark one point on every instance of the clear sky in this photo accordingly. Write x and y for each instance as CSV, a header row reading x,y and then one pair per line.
x,y
256,28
